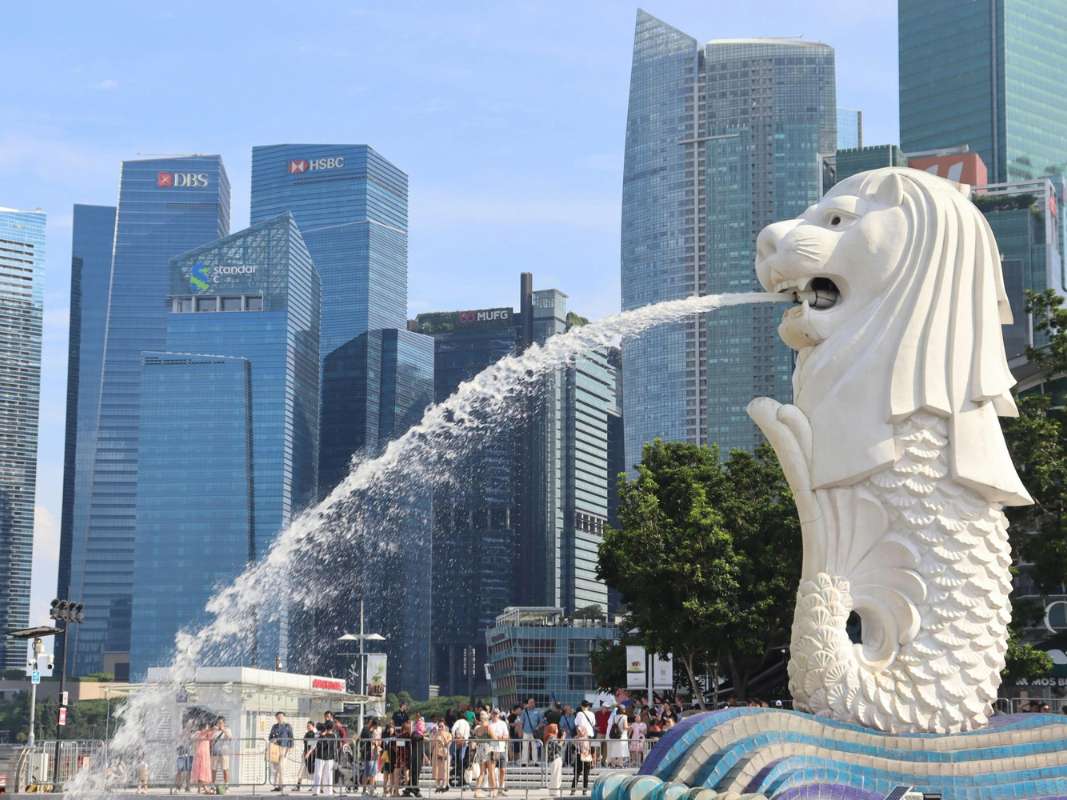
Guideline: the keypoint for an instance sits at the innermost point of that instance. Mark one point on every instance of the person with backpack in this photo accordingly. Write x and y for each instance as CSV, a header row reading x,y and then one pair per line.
x,y
618,739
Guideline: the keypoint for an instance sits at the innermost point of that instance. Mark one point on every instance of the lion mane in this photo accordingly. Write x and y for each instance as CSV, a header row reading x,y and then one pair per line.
x,y
935,339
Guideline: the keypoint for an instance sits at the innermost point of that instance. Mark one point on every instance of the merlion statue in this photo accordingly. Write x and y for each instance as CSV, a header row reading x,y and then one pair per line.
x,y
894,452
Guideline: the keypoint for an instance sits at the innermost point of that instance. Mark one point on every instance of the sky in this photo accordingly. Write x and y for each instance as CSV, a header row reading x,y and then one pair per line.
x,y
509,118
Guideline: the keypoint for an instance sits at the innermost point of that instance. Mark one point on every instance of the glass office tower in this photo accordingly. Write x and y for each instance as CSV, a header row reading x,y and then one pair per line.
x,y
986,73
223,471
374,388
90,276
166,206
352,207
22,252
522,518
721,139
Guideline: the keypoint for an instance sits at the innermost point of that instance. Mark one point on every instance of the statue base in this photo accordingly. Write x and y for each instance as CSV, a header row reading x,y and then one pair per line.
x,y
788,755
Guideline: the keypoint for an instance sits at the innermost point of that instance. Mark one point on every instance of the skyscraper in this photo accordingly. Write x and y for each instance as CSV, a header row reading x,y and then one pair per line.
x,y
166,206
523,517
22,250
986,73
352,207
721,139
374,388
90,276
229,429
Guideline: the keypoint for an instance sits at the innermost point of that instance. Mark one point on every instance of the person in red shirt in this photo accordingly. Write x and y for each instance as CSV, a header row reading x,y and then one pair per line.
x,y
603,719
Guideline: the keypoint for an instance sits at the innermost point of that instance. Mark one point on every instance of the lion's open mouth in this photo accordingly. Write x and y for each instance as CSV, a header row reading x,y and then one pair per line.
x,y
818,293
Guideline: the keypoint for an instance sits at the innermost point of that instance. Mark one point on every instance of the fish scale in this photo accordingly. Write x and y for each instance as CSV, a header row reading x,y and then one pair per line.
x,y
963,555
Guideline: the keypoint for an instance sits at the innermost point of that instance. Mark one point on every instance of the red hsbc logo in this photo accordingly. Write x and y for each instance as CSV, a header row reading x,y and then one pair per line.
x,y
330,685
298,165
181,180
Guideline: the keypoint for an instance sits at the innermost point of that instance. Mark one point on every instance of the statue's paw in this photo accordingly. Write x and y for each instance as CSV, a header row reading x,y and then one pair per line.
x,y
764,412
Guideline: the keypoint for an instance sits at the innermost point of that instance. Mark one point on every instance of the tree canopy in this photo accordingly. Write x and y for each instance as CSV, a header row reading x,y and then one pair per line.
x,y
707,557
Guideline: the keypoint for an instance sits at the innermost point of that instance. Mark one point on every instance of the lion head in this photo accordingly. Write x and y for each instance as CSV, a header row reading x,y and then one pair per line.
x,y
901,303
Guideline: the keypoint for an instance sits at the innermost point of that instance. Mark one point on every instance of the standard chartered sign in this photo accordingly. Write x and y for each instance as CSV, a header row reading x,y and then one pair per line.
x,y
203,278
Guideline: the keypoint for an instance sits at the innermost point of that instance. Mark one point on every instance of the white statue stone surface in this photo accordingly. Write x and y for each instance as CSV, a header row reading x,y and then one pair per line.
x,y
894,452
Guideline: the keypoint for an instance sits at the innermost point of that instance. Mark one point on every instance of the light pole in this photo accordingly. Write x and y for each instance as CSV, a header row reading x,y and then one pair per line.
x,y
36,634
362,637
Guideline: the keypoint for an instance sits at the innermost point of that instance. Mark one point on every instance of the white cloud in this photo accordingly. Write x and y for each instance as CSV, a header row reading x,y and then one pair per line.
x,y
45,563
106,85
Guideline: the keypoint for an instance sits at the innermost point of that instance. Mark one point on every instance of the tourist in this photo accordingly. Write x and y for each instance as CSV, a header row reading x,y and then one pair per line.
x,y
201,770
498,732
308,761
583,761
439,747
586,719
553,715
638,726
184,761
142,774
417,736
483,757
388,758
279,743
220,750
532,727
618,749
461,734
326,751
554,758
404,762
514,720
339,728
400,716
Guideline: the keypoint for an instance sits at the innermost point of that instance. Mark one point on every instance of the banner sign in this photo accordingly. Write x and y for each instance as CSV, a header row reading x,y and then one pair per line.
x,y
663,671
376,670
635,667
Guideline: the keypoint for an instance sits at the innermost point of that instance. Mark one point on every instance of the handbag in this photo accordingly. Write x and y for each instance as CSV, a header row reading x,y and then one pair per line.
x,y
274,753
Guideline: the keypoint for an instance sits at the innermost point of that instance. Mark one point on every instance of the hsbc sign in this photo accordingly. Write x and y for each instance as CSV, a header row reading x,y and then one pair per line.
x,y
181,180
298,166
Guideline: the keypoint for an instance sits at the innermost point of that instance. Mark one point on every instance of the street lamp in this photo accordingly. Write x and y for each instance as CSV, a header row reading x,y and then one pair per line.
x,y
37,634
361,637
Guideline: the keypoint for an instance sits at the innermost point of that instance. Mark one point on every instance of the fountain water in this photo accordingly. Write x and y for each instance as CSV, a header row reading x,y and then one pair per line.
x,y
421,458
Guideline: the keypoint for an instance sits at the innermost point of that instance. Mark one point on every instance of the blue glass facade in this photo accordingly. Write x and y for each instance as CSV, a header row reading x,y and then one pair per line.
x,y
851,161
771,122
374,388
195,498
352,207
22,256
524,514
849,129
166,206
476,524
720,141
253,297
90,276
660,220
986,73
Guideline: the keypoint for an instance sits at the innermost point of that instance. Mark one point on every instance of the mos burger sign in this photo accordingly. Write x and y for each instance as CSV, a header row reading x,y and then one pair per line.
x,y
328,684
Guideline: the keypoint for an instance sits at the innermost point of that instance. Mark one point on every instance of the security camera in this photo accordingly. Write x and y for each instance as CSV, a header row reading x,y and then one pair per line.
x,y
51,663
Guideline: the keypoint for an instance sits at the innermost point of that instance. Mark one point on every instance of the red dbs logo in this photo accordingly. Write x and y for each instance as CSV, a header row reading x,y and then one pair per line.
x,y
164,180
298,165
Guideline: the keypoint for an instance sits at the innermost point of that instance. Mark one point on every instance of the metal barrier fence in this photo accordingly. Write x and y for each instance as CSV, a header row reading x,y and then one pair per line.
x,y
35,766
384,765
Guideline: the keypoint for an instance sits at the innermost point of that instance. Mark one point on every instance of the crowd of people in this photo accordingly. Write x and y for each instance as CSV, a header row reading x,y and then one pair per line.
x,y
469,747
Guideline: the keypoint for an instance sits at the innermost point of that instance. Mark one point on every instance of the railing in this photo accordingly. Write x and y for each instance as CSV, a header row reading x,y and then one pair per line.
x,y
382,765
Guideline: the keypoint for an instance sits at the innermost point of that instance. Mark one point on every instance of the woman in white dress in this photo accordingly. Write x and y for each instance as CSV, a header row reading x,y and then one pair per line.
x,y
618,739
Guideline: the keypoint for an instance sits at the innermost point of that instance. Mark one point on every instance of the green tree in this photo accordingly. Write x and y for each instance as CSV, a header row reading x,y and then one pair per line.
x,y
1037,439
608,661
707,558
